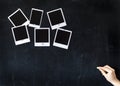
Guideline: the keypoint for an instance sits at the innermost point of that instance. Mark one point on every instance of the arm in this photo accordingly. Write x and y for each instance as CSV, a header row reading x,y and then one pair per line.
x,y
109,74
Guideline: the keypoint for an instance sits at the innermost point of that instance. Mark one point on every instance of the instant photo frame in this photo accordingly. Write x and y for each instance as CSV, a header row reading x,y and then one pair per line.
x,y
56,18
36,17
62,38
42,37
18,18
20,35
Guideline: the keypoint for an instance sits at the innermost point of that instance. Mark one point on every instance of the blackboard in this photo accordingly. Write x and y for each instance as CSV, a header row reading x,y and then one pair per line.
x,y
95,41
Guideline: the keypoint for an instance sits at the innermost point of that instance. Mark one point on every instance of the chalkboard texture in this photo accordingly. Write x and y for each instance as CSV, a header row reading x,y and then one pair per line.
x,y
95,41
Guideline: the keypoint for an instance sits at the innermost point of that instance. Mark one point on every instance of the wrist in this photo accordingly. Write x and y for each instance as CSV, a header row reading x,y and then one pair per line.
x,y
116,82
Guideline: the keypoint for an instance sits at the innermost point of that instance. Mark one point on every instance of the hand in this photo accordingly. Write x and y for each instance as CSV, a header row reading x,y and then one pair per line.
x,y
109,74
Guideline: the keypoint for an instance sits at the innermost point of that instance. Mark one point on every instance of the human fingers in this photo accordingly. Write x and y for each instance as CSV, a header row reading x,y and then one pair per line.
x,y
107,66
102,71
106,69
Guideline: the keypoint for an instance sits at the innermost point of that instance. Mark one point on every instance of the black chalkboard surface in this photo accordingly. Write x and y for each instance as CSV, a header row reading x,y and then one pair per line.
x,y
95,41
